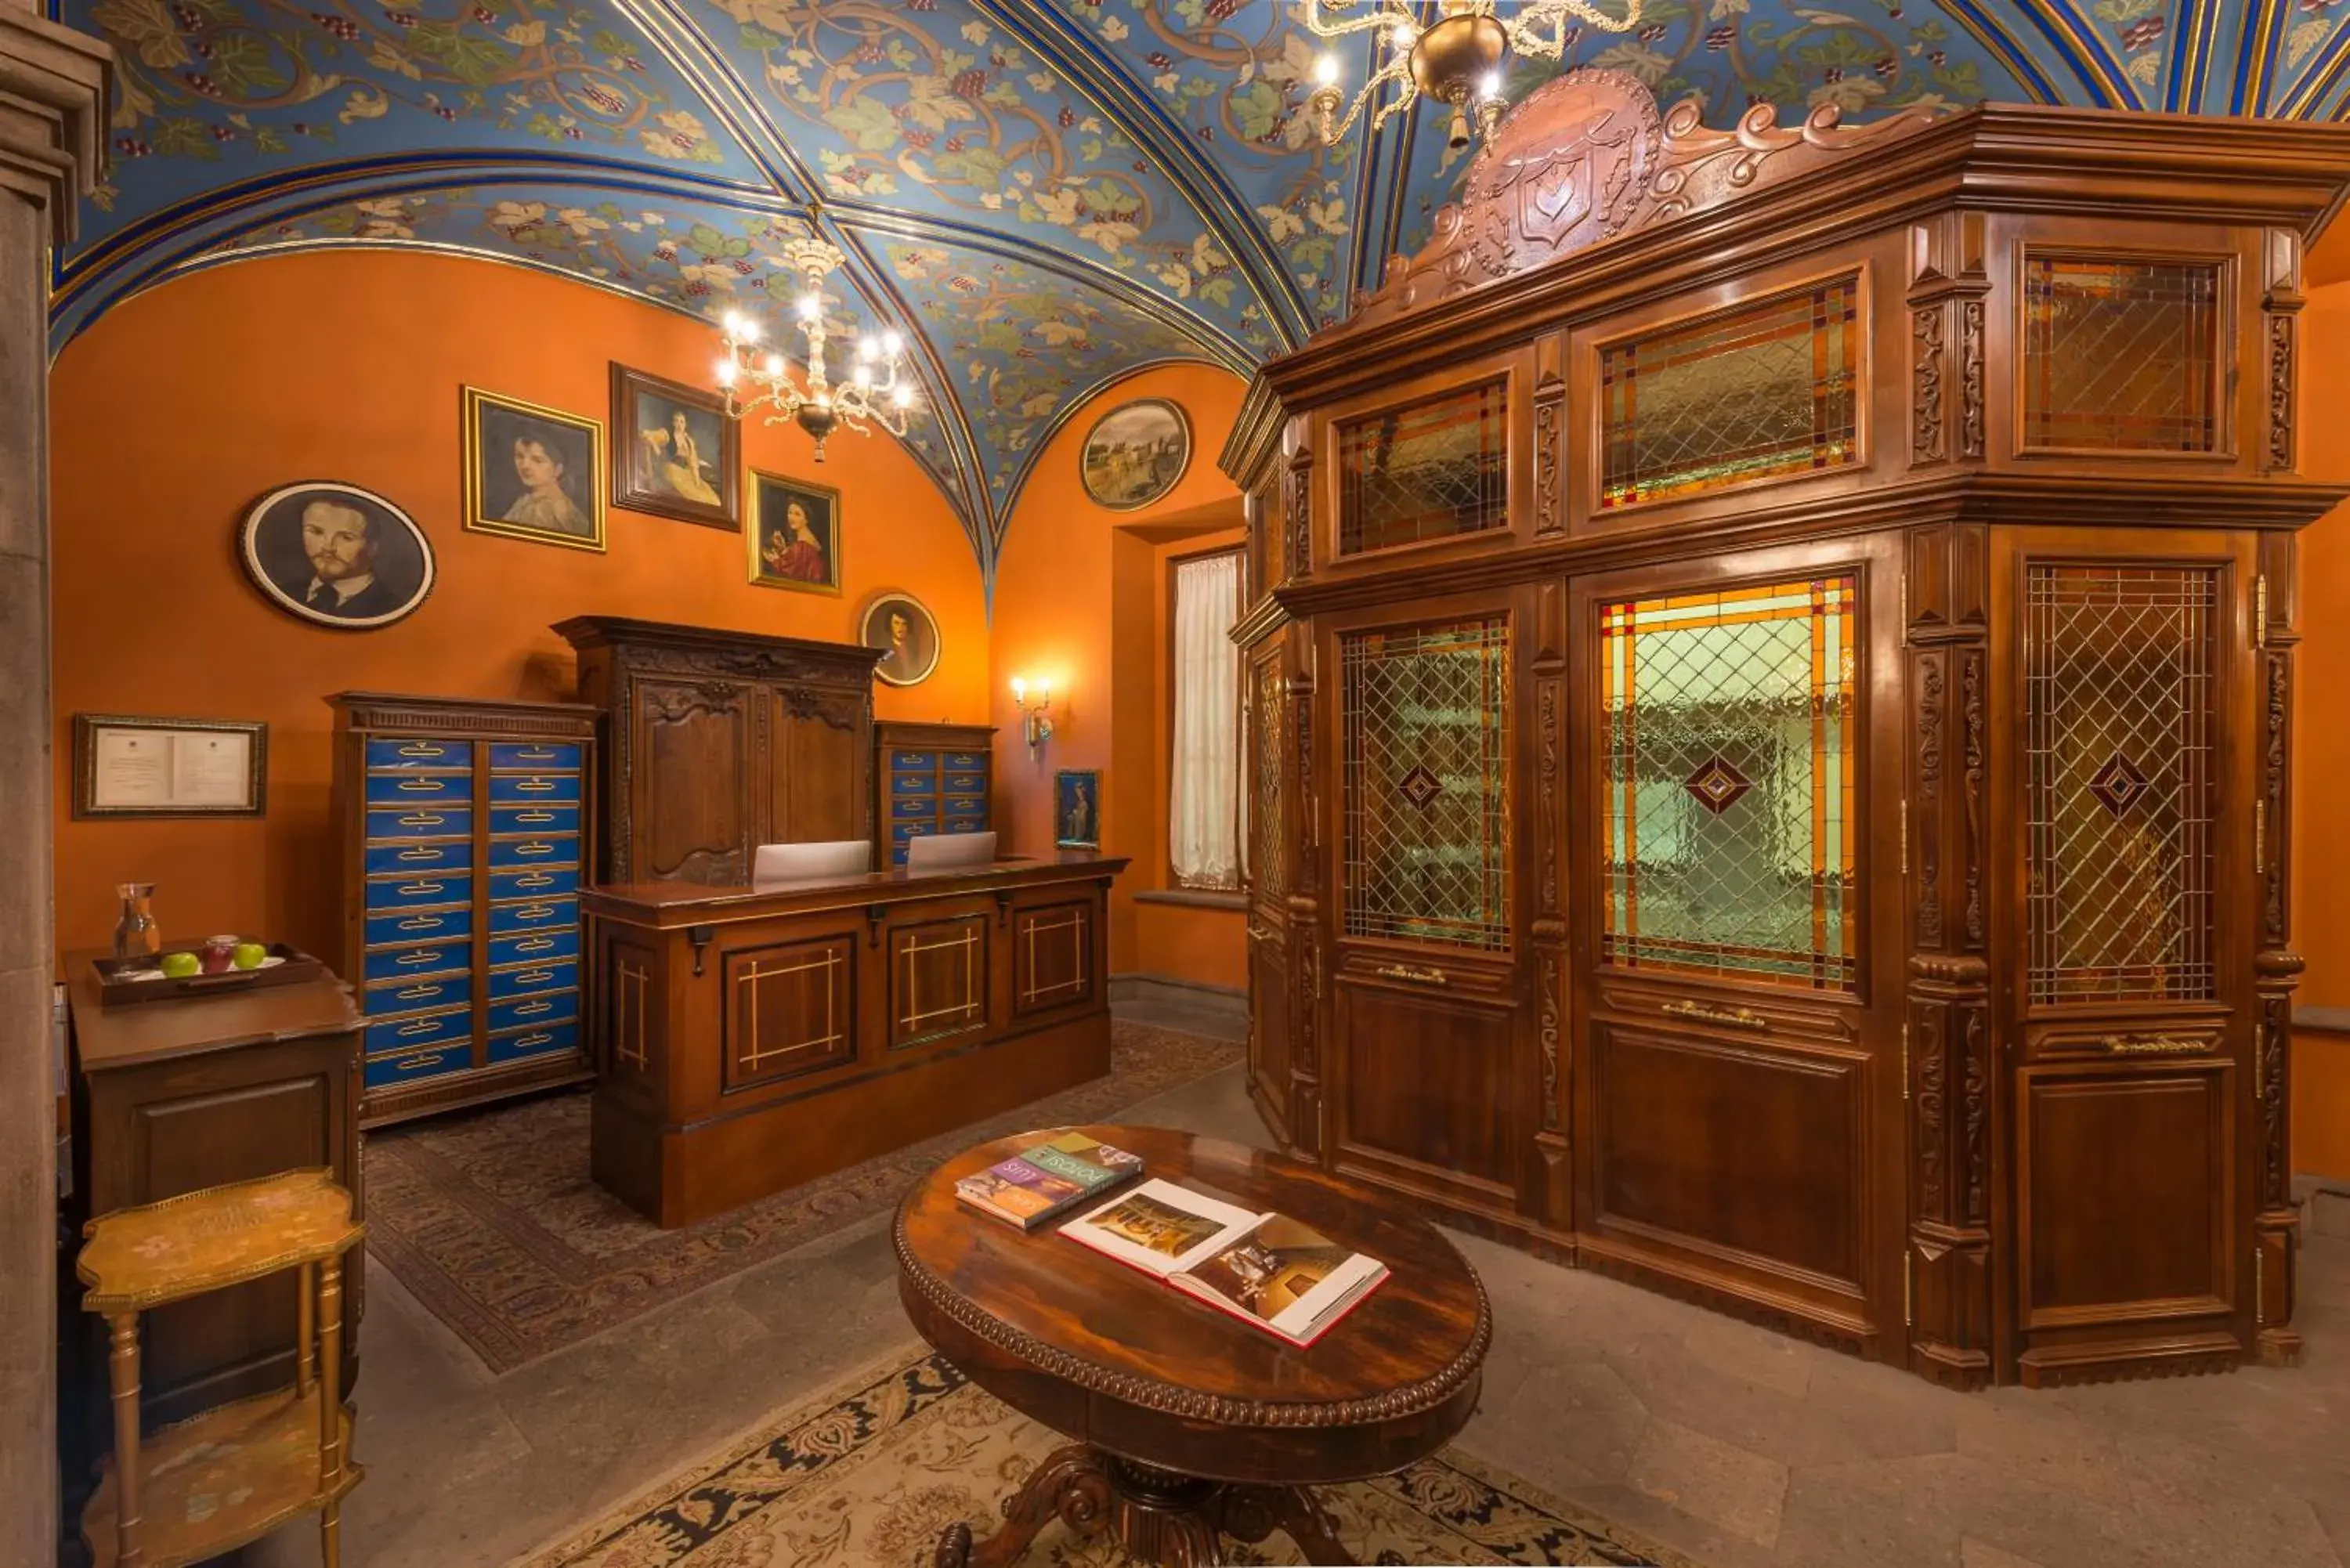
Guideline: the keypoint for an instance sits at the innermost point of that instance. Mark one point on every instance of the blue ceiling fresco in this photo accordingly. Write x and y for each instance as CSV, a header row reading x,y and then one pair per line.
x,y
1043,193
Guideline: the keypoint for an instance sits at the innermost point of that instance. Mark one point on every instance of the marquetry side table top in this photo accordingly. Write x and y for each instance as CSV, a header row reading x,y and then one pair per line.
x,y
1188,1424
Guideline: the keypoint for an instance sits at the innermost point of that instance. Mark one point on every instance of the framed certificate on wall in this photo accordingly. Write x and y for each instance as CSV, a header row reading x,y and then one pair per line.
x,y
126,766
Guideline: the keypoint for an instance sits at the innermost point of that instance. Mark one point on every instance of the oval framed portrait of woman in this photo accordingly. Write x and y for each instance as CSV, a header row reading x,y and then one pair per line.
x,y
903,628
1135,452
336,555
532,472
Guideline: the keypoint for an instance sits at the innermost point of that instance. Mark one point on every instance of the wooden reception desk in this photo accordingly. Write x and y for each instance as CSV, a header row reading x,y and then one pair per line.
x,y
749,1039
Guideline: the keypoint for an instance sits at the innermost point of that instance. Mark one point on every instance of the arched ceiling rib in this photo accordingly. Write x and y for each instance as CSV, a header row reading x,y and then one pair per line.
x,y
1042,192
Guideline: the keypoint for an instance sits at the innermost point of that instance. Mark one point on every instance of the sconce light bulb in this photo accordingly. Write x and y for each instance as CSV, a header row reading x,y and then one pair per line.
x,y
1019,691
865,350
864,374
734,324
1402,37
1326,70
750,333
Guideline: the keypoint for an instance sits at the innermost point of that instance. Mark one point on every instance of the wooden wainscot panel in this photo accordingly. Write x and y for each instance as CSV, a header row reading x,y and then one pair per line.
x,y
1419,1076
937,979
791,1008
1053,957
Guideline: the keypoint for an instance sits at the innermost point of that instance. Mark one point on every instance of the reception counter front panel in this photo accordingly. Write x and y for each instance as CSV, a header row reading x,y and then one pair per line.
x,y
751,1039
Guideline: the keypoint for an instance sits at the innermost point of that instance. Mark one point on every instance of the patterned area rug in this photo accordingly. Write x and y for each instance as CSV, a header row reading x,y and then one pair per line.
x,y
493,1222
872,1472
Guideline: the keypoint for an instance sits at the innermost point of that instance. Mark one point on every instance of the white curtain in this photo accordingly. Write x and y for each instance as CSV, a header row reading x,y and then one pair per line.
x,y
1204,807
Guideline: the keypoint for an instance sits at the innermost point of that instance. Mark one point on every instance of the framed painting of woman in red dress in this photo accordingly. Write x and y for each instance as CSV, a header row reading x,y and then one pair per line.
x,y
794,534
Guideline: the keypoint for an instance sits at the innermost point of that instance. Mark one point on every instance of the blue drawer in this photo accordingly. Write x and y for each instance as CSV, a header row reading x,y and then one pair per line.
x,y
551,882
920,762
385,755
396,1035
389,1071
534,1011
966,825
417,892
534,1043
964,805
902,831
966,783
509,820
398,963
534,851
533,755
412,860
533,915
390,1000
418,789
897,855
530,789
420,821
959,759
409,927
914,805
535,947
535,981
913,784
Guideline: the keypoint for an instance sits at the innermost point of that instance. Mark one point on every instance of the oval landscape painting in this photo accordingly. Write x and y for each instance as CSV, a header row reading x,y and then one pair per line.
x,y
1135,452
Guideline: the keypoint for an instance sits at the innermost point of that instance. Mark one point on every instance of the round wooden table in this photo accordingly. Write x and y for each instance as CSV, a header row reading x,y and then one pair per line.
x,y
1187,1424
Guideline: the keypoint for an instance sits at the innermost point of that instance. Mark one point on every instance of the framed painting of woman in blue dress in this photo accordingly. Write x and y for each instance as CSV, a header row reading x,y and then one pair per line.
x,y
794,539
676,451
533,473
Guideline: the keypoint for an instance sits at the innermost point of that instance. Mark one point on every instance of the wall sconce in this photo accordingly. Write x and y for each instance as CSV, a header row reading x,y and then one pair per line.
x,y
1037,717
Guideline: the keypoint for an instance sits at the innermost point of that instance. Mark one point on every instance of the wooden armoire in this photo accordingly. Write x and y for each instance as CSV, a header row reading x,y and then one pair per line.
x,y
1770,668
718,742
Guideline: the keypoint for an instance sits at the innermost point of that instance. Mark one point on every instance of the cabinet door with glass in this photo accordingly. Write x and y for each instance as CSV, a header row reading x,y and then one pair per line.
x,y
1738,938
1428,1078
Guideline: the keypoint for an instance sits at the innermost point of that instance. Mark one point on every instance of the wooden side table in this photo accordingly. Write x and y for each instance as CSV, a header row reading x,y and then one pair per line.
x,y
236,1472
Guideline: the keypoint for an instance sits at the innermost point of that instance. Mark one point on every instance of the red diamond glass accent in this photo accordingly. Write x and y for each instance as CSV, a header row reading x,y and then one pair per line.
x,y
1717,784
1420,788
2118,783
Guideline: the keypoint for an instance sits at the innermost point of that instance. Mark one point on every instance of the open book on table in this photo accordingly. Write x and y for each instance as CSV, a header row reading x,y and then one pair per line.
x,y
1281,1275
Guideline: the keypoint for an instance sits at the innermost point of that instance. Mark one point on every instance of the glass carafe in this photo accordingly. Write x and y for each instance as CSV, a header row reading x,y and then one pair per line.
x,y
136,933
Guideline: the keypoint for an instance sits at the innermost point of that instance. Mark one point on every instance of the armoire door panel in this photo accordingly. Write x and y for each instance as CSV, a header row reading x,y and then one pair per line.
x,y
1418,1081
695,738
2126,1194
817,742
1748,1151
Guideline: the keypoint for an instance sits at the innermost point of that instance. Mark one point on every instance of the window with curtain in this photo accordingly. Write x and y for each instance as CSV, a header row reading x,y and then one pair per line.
x,y
1204,797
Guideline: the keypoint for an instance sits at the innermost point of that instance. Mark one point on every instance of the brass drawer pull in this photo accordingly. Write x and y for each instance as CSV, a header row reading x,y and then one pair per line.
x,y
419,890
421,923
425,1026
2155,1045
533,816
435,956
413,991
533,1008
416,1063
1261,933
535,847
423,819
527,1041
536,945
1416,976
1730,1017
533,786
422,786
535,879
421,853
536,977
420,749
536,753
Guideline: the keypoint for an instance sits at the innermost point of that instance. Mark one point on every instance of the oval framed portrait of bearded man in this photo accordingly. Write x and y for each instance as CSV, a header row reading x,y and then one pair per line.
x,y
336,555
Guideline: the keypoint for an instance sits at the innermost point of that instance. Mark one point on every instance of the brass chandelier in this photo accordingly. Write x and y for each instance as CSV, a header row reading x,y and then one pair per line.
x,y
1455,59
872,395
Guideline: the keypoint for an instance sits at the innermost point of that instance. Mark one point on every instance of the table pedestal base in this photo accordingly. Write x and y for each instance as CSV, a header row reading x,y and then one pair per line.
x,y
1157,1516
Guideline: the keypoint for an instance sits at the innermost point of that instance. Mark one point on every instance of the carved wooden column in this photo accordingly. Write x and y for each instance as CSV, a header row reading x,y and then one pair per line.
x,y
1947,1034
1548,932
1305,955
53,85
2276,968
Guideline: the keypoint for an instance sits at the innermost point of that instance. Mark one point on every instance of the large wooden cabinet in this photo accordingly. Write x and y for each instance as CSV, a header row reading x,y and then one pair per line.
x,y
716,743
1769,685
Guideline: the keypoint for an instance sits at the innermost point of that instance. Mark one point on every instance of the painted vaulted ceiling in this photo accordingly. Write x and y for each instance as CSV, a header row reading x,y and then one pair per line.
x,y
1045,194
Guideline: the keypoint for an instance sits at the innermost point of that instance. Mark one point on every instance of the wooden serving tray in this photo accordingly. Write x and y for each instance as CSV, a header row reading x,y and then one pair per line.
x,y
114,990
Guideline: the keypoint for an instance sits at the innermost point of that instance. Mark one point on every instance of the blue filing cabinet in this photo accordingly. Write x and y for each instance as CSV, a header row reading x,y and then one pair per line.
x,y
466,829
930,778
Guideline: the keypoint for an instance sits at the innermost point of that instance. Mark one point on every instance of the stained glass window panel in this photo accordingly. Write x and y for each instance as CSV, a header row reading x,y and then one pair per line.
x,y
2119,671
1729,813
1769,388
2118,355
1425,737
1427,470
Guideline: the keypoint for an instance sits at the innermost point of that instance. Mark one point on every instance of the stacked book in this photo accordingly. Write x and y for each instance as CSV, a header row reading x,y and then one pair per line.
x,y
1034,1186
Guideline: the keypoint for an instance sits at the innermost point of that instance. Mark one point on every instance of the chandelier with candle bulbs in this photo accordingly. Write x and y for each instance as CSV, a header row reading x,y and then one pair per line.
x,y
1456,60
874,392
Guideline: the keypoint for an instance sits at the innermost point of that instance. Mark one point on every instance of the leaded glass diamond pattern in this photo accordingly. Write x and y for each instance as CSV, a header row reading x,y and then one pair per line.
x,y
1767,389
1270,865
1729,823
2118,687
1425,471
2119,354
1434,702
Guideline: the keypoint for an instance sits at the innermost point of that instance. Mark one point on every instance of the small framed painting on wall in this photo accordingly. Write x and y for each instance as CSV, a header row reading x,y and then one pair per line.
x,y
903,628
1077,808
793,540
532,472
336,555
678,450
169,767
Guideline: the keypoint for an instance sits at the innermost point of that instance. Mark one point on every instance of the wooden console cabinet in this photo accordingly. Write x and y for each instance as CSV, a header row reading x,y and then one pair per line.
x,y
930,778
718,742
1770,686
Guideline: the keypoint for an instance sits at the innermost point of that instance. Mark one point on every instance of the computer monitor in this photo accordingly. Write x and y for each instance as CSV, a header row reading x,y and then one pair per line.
x,y
949,851
799,862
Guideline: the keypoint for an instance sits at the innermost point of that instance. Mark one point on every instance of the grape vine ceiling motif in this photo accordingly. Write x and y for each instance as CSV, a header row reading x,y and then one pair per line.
x,y
1044,193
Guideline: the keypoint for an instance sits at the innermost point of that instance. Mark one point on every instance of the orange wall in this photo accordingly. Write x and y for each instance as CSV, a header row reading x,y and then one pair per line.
x,y
177,409
1079,600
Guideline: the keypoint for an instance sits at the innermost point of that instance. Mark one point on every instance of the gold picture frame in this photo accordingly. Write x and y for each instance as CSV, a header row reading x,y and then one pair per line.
x,y
539,493
126,766
780,548
1135,454
680,453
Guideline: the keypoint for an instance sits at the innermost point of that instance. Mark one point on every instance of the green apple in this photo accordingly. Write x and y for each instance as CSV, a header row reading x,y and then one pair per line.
x,y
180,966
248,955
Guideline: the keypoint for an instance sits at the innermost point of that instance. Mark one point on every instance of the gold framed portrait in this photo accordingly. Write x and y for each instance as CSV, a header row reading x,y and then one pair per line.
x,y
532,472
793,540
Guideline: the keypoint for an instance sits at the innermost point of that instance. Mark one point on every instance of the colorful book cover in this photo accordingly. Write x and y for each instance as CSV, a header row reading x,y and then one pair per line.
x,y
1085,1160
1019,1189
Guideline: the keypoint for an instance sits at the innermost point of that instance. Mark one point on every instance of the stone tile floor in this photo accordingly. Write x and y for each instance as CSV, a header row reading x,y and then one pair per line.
x,y
1732,1444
